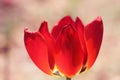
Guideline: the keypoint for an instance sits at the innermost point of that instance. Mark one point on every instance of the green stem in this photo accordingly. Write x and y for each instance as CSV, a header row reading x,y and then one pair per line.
x,y
68,78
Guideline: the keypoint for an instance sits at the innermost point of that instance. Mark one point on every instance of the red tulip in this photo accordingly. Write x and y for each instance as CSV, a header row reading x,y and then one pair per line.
x,y
69,49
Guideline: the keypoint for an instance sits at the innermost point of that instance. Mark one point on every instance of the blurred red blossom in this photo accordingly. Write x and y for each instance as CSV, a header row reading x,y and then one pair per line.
x,y
70,48
7,3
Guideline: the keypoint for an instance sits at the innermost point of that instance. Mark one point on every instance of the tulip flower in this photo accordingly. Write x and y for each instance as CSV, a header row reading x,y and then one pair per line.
x,y
69,49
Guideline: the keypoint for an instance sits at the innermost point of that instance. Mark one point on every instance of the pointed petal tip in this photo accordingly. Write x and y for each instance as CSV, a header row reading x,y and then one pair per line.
x,y
78,20
26,29
26,32
67,17
44,21
99,18
77,17
43,29
100,22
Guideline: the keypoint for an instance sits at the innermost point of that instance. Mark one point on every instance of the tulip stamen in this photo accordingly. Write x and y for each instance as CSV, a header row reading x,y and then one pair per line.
x,y
56,73
83,69
68,78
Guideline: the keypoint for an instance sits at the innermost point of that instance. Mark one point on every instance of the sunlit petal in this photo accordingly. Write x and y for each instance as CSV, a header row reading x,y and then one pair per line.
x,y
37,50
69,57
93,36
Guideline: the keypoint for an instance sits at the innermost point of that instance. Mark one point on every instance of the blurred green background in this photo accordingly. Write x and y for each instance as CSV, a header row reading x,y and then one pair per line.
x,y
15,15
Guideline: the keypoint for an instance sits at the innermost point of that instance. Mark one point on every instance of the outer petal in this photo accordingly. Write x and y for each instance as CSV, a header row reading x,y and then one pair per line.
x,y
69,57
50,43
93,36
80,28
37,50
63,22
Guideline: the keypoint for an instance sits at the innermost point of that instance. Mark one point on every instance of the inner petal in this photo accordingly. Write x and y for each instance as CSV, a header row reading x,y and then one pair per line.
x,y
70,55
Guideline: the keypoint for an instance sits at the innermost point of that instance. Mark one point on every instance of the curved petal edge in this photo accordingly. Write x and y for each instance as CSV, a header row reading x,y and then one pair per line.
x,y
37,50
93,38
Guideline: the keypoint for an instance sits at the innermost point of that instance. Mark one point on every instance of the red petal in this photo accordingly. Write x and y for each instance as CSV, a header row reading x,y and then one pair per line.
x,y
93,35
44,28
50,43
63,22
80,28
69,57
37,50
